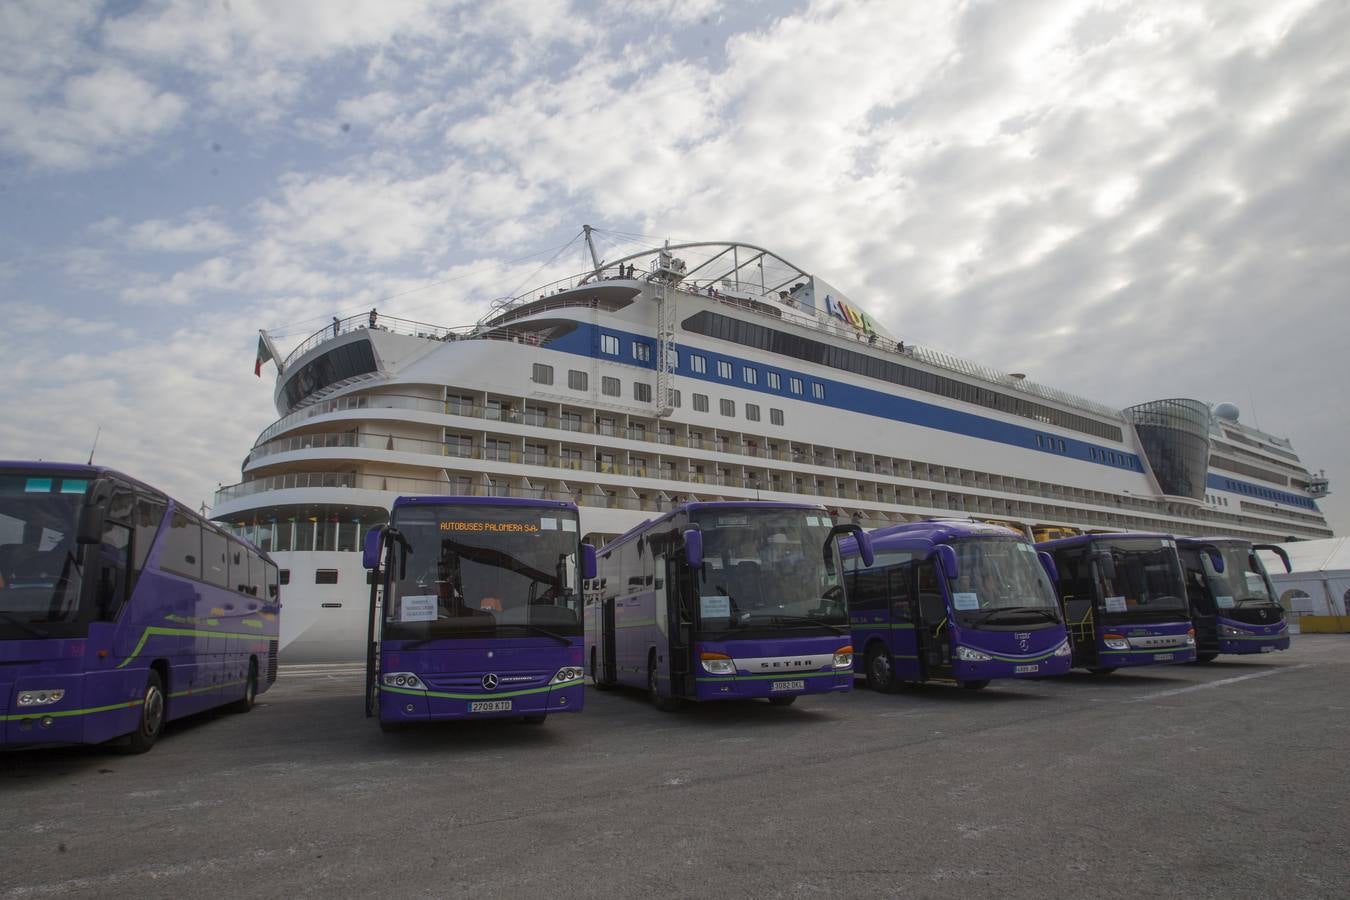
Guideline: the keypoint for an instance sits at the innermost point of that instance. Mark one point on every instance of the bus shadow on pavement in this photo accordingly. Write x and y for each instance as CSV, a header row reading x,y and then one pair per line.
x,y
453,736
944,693
1117,679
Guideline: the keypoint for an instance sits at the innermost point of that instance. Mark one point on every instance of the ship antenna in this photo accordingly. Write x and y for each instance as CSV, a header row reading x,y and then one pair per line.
x,y
595,258
95,446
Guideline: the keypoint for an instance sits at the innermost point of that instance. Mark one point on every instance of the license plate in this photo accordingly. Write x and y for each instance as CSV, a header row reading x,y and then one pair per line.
x,y
1267,649
1161,657
490,706
1017,670
788,686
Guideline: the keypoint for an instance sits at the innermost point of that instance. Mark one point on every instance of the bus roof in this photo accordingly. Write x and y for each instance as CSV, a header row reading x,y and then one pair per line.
x,y
1217,539
699,505
1079,540
928,533
482,501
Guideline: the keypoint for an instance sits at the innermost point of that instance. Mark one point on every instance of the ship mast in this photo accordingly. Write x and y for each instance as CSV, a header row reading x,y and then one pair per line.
x,y
590,245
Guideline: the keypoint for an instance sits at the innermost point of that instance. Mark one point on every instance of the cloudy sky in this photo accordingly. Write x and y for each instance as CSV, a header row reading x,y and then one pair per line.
x,y
1128,200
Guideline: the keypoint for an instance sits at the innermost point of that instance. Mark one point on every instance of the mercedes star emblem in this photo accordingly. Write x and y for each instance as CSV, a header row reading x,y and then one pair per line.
x,y
489,682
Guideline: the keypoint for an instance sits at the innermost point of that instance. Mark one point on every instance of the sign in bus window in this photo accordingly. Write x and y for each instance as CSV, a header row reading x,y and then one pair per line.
x,y
1115,604
715,607
418,608
966,600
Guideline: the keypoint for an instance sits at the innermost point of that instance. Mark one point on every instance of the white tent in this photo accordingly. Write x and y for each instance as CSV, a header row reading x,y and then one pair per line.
x,y
1320,581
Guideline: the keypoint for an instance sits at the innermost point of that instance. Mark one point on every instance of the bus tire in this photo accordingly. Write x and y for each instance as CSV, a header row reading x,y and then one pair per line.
x,y
665,704
1206,657
250,698
534,719
881,670
783,701
977,685
150,722
1106,671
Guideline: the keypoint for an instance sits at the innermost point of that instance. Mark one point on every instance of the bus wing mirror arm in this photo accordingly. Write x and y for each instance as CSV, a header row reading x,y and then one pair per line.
x,y
1048,563
864,543
370,550
89,529
587,562
1278,551
693,548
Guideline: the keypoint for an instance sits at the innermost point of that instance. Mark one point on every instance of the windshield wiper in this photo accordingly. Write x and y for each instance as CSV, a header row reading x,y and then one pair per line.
x,y
538,629
31,629
990,613
807,621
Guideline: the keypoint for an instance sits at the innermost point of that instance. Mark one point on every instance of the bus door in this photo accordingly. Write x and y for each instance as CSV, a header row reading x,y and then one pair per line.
x,y
1204,613
932,626
608,662
675,586
1078,593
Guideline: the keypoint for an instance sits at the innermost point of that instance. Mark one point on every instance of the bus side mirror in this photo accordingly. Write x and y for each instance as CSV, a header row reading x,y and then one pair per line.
x,y
693,548
89,528
587,562
370,556
1048,563
946,557
860,539
1215,560
1278,551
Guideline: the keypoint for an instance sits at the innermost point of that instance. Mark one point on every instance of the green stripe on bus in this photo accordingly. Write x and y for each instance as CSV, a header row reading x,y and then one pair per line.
x,y
785,676
40,713
184,632
486,695
206,690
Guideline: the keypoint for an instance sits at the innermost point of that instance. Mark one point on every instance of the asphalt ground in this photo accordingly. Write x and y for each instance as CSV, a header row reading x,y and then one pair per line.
x,y
1227,779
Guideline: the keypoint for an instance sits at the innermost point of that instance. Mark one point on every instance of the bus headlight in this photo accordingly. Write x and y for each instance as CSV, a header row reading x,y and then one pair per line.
x,y
1115,642
1230,631
717,663
969,655
404,680
843,657
41,698
1064,649
566,674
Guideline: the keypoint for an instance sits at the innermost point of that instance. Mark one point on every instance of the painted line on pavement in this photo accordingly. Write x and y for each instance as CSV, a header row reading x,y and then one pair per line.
x,y
1220,683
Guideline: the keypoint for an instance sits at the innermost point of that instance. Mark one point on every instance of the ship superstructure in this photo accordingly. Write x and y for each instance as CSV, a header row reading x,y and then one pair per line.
x,y
713,371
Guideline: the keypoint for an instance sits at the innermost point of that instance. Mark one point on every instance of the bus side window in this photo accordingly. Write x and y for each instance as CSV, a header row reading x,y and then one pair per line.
x,y
900,587
146,517
114,554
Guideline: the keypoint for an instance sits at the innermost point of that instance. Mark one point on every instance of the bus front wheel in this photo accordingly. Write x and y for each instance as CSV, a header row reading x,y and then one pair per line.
x,y
978,685
880,670
595,674
1206,657
665,704
782,701
150,723
1106,671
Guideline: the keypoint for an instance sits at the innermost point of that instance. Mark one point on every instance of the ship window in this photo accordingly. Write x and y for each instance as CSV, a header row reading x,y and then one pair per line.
x,y
642,352
818,390
700,403
609,344
724,369
751,376
325,576
675,399
642,392
577,381
772,380
728,407
698,364
609,386
752,412
542,374
776,416
795,385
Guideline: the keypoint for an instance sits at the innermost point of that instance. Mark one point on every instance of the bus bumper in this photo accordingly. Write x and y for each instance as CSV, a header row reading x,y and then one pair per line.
x,y
1255,644
996,669
400,705
751,687
1123,658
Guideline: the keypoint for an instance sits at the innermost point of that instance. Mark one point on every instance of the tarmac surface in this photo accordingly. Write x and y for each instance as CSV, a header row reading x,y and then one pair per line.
x,y
1227,779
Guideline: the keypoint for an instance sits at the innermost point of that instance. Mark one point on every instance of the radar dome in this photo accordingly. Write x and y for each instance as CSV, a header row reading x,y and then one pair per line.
x,y
1227,411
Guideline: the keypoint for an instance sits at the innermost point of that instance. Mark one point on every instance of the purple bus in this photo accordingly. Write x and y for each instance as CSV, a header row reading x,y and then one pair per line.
x,y
121,610
723,601
1233,604
953,602
479,615
1124,600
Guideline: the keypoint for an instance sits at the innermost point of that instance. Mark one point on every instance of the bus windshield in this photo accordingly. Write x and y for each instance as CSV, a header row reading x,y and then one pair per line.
x,y
764,568
1243,582
999,576
1142,577
484,571
40,573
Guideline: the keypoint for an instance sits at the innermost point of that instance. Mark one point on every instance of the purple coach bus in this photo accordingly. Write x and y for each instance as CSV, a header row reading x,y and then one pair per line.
x,y
121,610
480,614
1233,604
723,601
1124,600
953,602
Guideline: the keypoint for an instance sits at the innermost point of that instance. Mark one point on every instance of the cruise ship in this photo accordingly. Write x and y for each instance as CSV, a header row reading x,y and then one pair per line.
x,y
712,371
